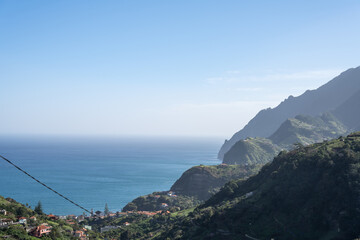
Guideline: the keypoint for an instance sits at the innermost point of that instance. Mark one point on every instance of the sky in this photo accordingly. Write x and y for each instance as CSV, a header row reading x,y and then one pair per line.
x,y
164,68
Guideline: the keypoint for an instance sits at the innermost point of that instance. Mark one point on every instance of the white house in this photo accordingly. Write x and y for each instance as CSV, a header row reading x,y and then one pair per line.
x,y
22,220
6,222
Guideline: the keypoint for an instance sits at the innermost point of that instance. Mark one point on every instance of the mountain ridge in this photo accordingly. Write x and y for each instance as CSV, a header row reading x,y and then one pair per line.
x,y
312,102
303,129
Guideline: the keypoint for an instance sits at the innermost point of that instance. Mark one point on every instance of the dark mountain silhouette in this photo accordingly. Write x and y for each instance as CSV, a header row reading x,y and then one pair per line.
x,y
349,112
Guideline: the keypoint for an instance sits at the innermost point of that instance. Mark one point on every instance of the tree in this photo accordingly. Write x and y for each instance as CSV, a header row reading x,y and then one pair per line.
x,y
125,235
106,211
55,233
38,208
20,212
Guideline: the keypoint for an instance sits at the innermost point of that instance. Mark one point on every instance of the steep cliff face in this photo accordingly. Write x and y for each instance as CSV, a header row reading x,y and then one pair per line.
x,y
326,98
202,182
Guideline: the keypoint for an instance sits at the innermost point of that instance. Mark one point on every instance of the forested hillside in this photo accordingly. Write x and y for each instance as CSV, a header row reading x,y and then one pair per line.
x,y
311,192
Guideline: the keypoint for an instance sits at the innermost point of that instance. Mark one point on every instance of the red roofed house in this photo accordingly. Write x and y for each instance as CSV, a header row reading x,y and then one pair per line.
x,y
22,220
53,217
80,234
41,230
71,222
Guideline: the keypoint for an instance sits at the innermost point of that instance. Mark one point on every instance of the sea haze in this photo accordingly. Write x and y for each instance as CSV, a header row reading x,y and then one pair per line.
x,y
97,170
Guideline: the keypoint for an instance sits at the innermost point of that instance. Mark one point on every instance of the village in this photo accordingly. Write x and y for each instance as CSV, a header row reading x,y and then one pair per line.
x,y
39,230
36,228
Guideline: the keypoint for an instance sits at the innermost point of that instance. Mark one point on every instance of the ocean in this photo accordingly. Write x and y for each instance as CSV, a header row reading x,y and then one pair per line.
x,y
93,171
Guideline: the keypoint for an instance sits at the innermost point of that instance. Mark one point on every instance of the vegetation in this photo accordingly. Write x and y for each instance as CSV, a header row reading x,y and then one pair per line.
x,y
340,95
202,181
311,192
38,208
153,202
308,130
106,210
302,129
14,209
251,151
195,186
60,229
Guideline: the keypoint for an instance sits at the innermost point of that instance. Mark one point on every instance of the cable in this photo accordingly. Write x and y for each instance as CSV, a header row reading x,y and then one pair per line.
x,y
67,199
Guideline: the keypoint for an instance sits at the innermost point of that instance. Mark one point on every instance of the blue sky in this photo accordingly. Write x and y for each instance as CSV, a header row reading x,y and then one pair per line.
x,y
164,67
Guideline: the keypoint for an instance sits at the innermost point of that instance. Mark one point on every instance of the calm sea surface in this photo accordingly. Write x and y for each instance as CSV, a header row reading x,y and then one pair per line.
x,y
95,171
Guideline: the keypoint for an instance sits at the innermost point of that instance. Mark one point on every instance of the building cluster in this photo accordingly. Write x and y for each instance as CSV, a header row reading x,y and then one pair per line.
x,y
39,230
130,213
100,215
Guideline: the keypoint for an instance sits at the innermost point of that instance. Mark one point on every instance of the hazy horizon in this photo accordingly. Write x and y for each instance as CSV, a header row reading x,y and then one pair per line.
x,y
158,68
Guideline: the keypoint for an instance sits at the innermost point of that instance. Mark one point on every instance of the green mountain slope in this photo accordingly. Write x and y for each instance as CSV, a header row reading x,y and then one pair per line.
x,y
202,181
153,202
251,151
312,192
196,185
307,130
302,129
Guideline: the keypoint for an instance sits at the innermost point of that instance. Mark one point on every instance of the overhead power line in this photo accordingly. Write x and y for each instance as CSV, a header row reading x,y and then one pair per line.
x,y
67,199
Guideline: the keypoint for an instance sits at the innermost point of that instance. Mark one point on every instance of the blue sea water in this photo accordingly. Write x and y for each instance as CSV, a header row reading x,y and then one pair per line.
x,y
93,171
